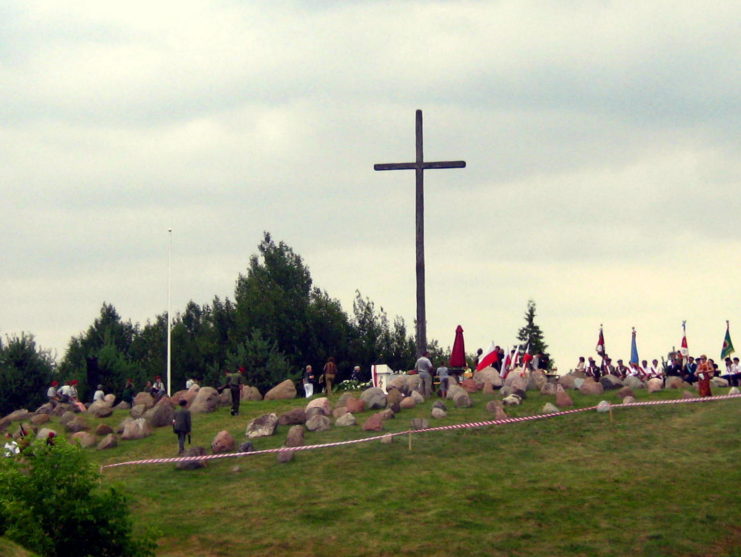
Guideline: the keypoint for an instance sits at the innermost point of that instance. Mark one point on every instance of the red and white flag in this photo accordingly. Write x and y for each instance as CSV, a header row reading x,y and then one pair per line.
x,y
490,357
601,343
506,364
684,350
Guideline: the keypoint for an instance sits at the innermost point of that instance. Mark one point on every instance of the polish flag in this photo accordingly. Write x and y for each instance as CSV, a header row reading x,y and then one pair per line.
x,y
684,350
601,343
491,357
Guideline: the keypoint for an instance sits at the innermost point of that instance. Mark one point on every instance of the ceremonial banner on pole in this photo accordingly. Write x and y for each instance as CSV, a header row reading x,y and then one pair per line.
x,y
601,343
634,349
684,350
727,343
491,357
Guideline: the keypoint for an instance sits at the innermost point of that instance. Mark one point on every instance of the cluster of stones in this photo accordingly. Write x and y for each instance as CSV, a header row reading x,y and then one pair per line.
x,y
144,415
319,414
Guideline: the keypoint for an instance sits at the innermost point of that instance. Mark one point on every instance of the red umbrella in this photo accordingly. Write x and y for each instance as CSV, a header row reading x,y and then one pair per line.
x,y
458,355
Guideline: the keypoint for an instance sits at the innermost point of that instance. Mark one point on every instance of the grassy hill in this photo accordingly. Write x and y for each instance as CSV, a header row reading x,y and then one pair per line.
x,y
659,480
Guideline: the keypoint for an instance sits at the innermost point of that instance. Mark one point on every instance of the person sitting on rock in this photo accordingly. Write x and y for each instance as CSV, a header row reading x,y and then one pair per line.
x,y
622,369
51,393
99,394
655,371
581,365
635,371
158,388
729,375
593,370
65,393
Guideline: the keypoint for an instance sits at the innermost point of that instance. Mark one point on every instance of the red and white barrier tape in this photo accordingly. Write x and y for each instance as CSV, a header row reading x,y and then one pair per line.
x,y
469,425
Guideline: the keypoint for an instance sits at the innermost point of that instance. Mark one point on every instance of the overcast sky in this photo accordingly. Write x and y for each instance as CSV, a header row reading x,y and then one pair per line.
x,y
602,143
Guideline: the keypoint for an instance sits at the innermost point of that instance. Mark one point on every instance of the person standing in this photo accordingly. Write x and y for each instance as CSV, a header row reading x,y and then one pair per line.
x,y
128,392
234,383
181,424
308,381
330,372
442,375
704,373
424,369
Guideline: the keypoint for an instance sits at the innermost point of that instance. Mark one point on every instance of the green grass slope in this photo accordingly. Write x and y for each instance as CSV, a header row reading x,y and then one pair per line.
x,y
661,480
11,549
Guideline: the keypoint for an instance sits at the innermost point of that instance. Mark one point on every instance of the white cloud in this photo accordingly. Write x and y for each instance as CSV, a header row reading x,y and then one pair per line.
x,y
601,140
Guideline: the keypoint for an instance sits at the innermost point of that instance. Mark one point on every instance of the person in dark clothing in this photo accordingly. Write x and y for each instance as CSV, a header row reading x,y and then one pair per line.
x,y
234,383
181,424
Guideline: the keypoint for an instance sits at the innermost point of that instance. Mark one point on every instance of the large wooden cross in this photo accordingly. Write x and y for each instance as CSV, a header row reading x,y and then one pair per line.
x,y
419,166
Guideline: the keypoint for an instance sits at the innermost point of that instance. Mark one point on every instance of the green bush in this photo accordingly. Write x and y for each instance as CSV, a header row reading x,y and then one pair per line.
x,y
52,503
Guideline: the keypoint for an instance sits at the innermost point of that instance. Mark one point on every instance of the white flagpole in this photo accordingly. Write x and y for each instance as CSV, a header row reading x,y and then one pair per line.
x,y
169,314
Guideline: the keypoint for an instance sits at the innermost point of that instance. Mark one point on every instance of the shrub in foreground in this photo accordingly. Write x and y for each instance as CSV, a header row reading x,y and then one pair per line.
x,y
52,503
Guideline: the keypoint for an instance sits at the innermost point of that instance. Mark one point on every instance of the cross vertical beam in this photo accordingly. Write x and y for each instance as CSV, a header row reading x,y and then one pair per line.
x,y
419,167
419,211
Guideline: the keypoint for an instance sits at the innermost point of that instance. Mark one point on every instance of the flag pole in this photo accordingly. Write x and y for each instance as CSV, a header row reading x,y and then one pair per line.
x,y
169,314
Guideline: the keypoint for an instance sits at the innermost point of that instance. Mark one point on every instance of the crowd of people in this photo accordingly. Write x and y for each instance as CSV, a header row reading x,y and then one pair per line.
x,y
686,368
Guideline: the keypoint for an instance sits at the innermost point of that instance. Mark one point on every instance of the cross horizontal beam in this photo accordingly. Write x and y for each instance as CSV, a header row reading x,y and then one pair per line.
x,y
415,166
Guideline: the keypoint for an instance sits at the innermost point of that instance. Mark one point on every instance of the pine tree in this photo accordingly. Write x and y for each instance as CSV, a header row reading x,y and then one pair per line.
x,y
531,334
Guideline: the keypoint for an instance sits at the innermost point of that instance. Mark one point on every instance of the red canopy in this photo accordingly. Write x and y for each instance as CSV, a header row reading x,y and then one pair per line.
x,y
458,354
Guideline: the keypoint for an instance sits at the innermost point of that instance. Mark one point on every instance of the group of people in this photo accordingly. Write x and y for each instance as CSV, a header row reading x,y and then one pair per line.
x,y
311,383
686,368
67,393
504,362
15,444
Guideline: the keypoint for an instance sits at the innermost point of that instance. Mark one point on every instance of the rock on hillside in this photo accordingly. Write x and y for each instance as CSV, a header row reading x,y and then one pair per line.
x,y
374,398
207,400
264,426
282,391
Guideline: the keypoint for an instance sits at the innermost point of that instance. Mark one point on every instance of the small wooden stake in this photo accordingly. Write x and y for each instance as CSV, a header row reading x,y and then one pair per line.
x,y
410,440
611,420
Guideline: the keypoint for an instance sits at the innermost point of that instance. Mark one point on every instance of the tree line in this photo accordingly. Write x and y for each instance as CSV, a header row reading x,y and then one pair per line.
x,y
277,323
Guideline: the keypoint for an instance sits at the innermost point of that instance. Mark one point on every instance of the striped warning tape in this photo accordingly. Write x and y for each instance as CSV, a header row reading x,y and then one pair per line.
x,y
468,425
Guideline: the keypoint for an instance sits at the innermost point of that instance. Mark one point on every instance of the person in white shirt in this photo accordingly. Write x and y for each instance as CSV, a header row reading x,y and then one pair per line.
x,y
67,393
158,388
51,392
733,373
10,448
635,371
99,394
654,370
